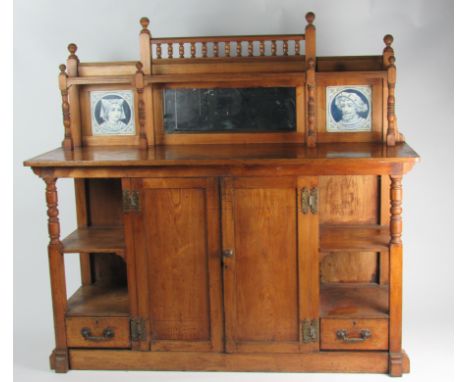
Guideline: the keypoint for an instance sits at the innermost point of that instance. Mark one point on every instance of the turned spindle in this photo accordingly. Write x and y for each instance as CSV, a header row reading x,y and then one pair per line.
x,y
310,37
204,49
216,49
67,141
192,50
239,48
170,49
53,212
57,278
146,54
140,87
310,77
71,108
396,196
285,47
396,277
158,50
250,48
227,49
297,47
181,50
273,47
262,48
393,135
391,118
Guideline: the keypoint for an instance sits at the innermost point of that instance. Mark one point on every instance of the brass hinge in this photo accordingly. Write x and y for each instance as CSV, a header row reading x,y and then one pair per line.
x,y
309,200
310,331
131,201
137,329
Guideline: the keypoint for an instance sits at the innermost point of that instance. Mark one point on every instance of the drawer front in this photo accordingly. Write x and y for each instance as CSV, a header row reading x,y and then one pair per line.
x,y
353,334
98,332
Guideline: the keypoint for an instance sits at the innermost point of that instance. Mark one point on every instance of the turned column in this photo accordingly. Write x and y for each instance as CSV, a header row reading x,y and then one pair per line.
x,y
67,142
310,49
140,88
393,134
59,357
74,116
396,262
146,93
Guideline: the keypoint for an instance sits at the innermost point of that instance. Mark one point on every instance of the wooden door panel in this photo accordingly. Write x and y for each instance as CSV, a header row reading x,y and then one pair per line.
x,y
175,229
266,293
179,224
266,266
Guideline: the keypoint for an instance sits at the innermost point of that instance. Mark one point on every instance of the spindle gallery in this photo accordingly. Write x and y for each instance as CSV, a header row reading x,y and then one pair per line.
x,y
239,206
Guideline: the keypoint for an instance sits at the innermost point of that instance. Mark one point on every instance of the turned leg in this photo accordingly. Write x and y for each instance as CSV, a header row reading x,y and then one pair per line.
x,y
59,357
396,259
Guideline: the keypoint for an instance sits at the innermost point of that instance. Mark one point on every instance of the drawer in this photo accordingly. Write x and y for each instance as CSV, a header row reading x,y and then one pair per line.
x,y
354,334
98,332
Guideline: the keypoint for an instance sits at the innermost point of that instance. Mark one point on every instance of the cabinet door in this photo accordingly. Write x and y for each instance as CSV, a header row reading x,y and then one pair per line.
x,y
270,265
177,234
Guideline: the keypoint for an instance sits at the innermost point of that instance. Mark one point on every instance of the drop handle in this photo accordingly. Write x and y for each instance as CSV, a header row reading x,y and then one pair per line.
x,y
107,335
227,253
364,335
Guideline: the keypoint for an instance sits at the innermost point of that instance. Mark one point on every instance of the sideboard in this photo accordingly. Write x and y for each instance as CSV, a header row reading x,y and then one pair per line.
x,y
233,214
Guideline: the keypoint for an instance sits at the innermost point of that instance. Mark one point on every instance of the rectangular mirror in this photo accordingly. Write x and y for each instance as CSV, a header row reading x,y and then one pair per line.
x,y
230,110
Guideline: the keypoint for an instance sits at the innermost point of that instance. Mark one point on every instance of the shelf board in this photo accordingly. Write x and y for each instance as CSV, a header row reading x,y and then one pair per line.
x,y
343,238
95,240
349,300
360,154
99,300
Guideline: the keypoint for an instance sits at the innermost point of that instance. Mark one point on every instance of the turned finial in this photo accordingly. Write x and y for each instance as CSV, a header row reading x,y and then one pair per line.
x,y
139,66
388,40
144,22
62,68
72,48
310,17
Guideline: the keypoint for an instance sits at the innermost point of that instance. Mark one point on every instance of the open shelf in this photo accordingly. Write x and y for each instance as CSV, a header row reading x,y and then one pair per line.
x,y
99,300
342,238
353,301
95,240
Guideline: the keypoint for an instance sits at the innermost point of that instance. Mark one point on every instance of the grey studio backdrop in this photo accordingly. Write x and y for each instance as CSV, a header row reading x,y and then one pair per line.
x,y
107,30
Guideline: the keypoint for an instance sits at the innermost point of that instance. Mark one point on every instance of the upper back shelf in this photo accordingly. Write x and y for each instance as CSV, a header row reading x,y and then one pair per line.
x,y
252,61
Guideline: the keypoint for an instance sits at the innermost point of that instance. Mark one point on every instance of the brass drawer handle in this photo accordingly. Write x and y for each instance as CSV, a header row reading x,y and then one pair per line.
x,y
364,335
107,335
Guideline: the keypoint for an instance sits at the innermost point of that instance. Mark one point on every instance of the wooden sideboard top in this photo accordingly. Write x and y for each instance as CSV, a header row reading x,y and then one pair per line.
x,y
250,154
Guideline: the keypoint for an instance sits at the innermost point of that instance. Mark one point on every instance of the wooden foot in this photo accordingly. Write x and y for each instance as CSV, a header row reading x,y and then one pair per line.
x,y
59,361
395,364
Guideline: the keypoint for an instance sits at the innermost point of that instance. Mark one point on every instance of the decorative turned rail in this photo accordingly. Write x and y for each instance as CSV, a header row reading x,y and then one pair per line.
x,y
227,46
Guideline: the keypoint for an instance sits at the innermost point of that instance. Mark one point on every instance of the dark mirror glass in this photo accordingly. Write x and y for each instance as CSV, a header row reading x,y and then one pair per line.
x,y
230,110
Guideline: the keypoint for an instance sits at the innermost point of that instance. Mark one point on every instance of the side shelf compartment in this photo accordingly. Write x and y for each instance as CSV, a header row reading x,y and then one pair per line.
x,y
98,313
354,317
98,317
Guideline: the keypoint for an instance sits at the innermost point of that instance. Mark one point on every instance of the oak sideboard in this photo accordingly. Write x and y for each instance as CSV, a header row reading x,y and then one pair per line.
x,y
239,208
